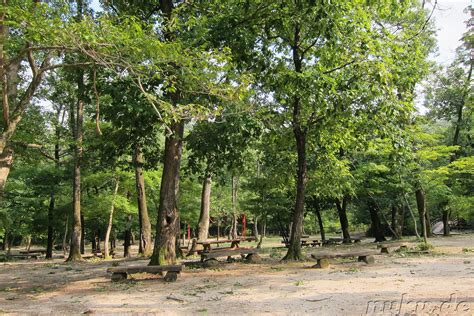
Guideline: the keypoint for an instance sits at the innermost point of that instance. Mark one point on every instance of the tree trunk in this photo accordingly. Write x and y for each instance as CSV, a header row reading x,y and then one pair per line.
x,y
111,220
446,229
342,212
412,215
167,228
317,210
205,207
83,235
127,237
6,161
65,236
255,228
143,218
49,247
235,186
421,204
75,249
300,133
376,225
395,222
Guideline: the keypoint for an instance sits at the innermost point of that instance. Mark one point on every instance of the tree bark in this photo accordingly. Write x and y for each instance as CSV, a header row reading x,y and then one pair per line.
x,y
376,224
421,204
144,220
342,212
111,220
205,207
167,228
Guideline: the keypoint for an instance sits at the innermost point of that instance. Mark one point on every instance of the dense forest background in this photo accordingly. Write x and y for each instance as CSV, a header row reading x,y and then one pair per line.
x,y
143,120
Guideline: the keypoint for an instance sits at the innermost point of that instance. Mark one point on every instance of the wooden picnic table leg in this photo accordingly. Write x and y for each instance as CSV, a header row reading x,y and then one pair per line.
x,y
119,276
322,263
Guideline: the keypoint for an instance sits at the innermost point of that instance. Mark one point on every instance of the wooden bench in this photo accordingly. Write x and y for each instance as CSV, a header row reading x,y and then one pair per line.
x,y
397,244
25,256
305,242
338,240
40,251
362,255
209,257
121,273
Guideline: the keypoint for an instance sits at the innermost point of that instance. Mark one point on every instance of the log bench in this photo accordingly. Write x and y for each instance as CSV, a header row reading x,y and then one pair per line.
x,y
209,257
385,245
121,273
24,256
362,255
305,242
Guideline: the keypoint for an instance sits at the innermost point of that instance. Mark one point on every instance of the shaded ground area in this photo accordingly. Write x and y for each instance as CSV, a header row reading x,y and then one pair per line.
x,y
440,282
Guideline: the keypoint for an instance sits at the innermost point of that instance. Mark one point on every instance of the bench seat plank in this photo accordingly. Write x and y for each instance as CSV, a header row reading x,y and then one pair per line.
x,y
227,253
146,269
359,253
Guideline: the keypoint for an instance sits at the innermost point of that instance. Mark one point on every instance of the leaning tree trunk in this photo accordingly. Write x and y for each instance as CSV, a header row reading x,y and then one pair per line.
x,y
342,212
421,204
6,161
205,207
144,220
75,250
167,228
111,220
375,219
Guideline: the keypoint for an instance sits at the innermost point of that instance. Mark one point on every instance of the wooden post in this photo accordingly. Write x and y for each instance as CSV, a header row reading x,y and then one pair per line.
x,y
244,225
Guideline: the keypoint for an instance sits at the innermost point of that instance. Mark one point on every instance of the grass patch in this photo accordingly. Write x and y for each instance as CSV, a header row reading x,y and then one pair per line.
x,y
466,250
299,283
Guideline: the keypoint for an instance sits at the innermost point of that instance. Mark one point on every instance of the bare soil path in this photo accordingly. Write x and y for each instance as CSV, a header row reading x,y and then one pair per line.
x,y
439,283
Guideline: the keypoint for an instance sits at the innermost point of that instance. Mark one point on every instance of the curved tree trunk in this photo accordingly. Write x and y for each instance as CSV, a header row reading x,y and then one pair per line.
x,y
342,212
421,204
205,207
167,228
143,218
235,186
111,220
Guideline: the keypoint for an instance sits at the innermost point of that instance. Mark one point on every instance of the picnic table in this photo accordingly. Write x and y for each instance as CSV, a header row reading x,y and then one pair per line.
x,y
41,251
209,254
207,245
305,241
323,257
339,240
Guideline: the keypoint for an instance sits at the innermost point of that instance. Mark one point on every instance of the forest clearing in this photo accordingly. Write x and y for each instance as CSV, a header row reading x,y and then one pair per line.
x,y
270,287
236,156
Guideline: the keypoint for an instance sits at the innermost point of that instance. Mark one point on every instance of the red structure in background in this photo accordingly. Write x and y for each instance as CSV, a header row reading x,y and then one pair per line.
x,y
244,225
189,232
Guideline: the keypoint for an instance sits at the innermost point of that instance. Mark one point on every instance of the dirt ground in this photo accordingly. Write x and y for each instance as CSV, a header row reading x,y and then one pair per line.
x,y
397,283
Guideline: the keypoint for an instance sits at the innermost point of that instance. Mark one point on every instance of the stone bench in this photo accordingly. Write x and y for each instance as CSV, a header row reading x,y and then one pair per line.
x,y
121,273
